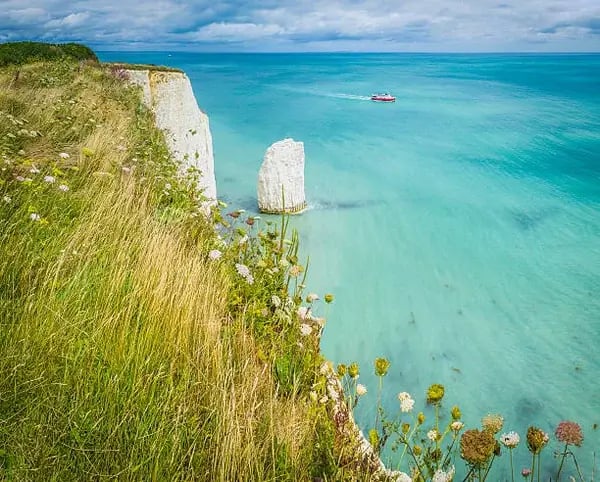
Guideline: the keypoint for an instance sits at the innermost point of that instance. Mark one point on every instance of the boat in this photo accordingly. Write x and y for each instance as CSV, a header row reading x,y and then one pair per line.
x,y
383,98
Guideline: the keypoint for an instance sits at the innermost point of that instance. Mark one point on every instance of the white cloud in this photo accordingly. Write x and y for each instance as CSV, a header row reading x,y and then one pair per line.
x,y
311,24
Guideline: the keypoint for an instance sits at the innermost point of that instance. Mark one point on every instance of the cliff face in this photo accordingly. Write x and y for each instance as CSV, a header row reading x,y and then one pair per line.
x,y
170,96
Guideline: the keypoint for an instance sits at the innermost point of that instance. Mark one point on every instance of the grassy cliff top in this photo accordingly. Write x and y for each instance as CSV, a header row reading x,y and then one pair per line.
x,y
151,67
18,53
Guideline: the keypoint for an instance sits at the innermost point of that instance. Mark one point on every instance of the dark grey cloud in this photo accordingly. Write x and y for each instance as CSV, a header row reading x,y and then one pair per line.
x,y
433,25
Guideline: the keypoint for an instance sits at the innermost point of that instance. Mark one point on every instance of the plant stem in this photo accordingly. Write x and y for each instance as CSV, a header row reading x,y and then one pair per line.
x,y
577,467
468,474
489,467
539,466
512,470
562,461
532,466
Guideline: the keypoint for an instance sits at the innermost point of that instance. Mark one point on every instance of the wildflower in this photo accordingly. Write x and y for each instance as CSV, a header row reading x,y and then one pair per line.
x,y
86,151
276,301
243,240
536,440
328,298
167,185
215,254
64,155
405,428
435,393
492,422
417,450
6,199
302,312
353,370
313,395
476,447
510,439
569,433
126,169
342,369
325,368
324,399
526,472
284,263
63,188
441,476
455,412
402,477
406,402
457,425
250,221
295,270
305,329
244,272
20,178
361,390
50,179
34,217
382,366
234,214
312,297
433,435
420,418
34,170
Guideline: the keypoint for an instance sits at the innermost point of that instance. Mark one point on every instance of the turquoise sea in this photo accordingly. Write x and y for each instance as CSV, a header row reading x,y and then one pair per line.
x,y
458,228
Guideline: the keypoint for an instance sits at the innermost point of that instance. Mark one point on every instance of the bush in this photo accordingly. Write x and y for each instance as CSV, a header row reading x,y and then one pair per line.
x,y
18,53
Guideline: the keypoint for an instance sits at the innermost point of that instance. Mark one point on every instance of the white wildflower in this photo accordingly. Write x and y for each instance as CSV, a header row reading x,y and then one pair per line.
x,y
305,329
6,199
243,239
406,402
510,439
313,395
324,399
63,188
302,312
402,477
441,476
325,368
432,435
168,186
457,426
34,170
64,155
20,178
318,320
361,390
126,169
50,179
242,270
312,297
284,263
215,254
276,301
250,279
34,217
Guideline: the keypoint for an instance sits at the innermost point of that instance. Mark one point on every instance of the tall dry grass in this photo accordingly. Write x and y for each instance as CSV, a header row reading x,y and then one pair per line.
x,y
120,355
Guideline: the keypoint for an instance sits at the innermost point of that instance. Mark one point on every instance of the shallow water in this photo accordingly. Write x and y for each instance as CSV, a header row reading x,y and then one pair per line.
x,y
458,228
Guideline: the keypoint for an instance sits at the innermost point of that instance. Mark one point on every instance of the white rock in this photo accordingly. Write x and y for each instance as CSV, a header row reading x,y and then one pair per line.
x,y
170,96
281,178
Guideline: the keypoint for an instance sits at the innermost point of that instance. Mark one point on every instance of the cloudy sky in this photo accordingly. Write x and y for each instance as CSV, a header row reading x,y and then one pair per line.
x,y
308,25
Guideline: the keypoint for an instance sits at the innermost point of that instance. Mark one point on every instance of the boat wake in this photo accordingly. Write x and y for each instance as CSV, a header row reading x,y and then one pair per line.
x,y
334,95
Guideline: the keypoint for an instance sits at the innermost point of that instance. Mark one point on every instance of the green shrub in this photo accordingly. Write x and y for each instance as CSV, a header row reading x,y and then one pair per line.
x,y
19,53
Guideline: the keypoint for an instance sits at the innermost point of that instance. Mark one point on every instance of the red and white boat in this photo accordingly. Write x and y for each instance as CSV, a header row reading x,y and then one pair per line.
x,y
383,98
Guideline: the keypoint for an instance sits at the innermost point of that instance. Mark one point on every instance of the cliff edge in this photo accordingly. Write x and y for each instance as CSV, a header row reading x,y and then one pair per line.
x,y
170,96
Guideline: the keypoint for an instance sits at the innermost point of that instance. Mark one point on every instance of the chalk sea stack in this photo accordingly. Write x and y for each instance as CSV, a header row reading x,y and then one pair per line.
x,y
281,178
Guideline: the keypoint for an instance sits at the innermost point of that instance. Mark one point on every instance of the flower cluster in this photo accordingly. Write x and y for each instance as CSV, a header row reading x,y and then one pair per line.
x,y
536,439
569,433
477,447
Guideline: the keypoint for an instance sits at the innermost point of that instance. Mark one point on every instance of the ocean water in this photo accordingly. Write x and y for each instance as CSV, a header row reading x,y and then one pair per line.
x,y
458,228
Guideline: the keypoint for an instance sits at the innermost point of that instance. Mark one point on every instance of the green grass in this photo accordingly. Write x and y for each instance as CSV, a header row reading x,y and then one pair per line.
x,y
18,53
151,67
127,352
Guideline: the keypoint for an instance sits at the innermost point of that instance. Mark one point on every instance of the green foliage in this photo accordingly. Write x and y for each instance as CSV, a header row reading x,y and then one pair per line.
x,y
19,53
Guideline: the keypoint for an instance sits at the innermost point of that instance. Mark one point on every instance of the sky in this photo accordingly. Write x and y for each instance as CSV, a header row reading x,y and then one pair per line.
x,y
309,25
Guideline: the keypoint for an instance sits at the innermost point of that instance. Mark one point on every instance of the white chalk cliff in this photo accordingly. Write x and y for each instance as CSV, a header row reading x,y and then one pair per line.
x,y
170,96
281,178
